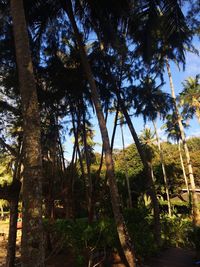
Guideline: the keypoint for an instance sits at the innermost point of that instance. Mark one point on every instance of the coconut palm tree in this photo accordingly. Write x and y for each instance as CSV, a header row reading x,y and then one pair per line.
x,y
173,132
115,199
190,97
151,102
32,232
121,119
147,139
196,212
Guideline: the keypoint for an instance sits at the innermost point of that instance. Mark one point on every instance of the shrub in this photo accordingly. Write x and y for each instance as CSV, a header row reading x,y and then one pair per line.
x,y
194,236
140,225
175,231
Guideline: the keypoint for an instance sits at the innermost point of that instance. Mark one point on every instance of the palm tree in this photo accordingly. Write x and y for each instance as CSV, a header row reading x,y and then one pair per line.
x,y
147,139
163,168
122,104
190,97
32,232
151,102
173,131
121,118
147,168
196,213
115,199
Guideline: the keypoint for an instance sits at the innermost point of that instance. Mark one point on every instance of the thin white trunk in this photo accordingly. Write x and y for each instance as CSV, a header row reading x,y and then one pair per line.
x,y
183,169
163,170
2,211
196,213
126,170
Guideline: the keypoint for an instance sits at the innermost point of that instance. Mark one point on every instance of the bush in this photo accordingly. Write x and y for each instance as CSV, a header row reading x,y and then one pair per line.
x,y
176,231
140,225
194,236
83,238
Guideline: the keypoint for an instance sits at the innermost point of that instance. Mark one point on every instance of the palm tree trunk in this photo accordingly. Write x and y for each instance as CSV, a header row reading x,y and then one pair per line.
x,y
114,127
147,166
196,213
126,169
89,186
11,247
124,237
163,170
183,169
32,230
148,170
1,209
102,156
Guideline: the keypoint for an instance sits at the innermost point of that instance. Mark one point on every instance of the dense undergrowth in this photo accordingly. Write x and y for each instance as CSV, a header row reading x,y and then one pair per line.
x,y
96,241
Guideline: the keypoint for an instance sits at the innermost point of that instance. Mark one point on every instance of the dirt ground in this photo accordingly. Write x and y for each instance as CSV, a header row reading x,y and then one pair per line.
x,y
174,257
4,226
3,241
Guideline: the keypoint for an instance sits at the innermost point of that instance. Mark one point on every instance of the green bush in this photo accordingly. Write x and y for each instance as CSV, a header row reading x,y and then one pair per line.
x,y
140,225
82,238
175,231
194,236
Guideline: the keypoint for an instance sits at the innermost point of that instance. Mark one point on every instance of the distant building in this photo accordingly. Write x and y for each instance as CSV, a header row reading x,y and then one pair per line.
x,y
183,196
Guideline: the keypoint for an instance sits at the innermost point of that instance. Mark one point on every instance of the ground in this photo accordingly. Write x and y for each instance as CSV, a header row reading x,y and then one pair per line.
x,y
4,225
172,257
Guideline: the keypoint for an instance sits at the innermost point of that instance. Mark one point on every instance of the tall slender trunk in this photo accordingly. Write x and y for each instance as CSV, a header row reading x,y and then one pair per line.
x,y
1,210
183,169
124,237
147,168
102,154
89,186
61,152
11,248
196,213
32,230
115,127
163,170
130,204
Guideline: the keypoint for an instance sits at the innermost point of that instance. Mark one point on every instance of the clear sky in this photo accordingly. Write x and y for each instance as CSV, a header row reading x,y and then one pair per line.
x,y
192,68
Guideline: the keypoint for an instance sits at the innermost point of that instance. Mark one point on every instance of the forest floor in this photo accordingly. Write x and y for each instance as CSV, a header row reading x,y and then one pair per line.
x,y
174,257
171,257
4,226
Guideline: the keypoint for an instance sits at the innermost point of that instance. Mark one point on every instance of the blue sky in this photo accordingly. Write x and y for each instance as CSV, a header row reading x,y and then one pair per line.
x,y
192,68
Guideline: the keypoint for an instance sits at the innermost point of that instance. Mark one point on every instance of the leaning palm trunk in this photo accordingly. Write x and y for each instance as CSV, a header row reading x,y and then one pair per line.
x,y
183,168
89,185
124,237
32,232
196,213
114,127
148,171
130,204
163,170
147,166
